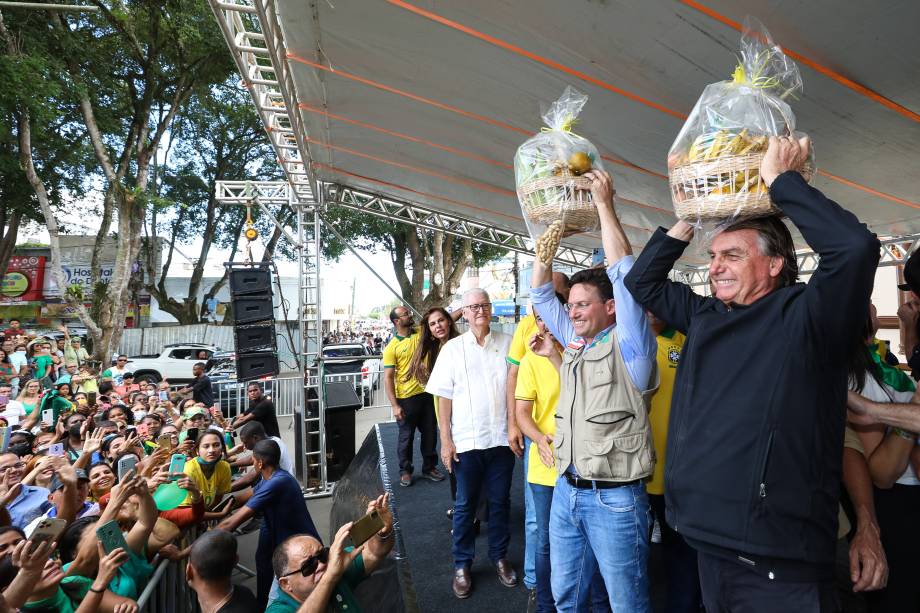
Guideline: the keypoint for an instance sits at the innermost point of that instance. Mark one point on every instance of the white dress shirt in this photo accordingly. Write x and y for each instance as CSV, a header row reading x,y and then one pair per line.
x,y
474,379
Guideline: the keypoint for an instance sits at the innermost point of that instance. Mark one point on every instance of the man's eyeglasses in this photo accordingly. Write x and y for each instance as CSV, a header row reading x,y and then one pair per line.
x,y
309,565
121,360
571,306
16,466
476,308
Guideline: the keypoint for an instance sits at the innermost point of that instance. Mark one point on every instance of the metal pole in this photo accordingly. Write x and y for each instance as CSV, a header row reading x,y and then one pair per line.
x,y
369,267
47,7
321,370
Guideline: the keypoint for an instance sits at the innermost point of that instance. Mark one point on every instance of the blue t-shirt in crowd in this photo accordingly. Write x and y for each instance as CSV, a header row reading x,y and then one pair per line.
x,y
280,501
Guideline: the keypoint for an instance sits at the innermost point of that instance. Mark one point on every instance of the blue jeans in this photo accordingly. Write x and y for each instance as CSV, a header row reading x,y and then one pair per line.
x,y
489,470
530,527
543,502
605,529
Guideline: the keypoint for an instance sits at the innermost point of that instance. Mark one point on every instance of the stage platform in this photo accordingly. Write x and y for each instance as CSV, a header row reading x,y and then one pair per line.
x,y
419,577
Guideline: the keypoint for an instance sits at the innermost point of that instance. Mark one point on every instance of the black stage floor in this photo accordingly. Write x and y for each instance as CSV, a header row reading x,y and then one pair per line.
x,y
426,542
425,531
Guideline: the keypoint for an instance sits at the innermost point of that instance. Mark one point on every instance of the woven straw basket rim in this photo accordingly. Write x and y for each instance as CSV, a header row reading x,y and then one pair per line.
x,y
687,179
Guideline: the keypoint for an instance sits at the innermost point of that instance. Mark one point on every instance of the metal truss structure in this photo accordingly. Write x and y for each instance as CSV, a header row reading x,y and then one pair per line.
x,y
253,34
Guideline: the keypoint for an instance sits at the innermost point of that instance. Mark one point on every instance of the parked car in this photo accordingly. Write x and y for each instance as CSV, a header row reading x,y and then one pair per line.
x,y
173,363
364,369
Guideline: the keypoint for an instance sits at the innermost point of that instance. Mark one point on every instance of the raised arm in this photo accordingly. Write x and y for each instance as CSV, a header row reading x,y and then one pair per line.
x,y
648,281
839,290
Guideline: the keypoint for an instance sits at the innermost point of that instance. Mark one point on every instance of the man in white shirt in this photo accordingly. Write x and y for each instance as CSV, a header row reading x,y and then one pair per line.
x,y
469,380
20,362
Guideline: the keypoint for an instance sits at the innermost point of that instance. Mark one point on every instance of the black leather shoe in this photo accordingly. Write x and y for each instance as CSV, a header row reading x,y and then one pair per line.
x,y
506,573
463,583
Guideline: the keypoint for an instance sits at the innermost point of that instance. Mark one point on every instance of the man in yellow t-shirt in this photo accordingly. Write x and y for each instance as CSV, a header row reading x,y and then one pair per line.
x,y
412,406
681,574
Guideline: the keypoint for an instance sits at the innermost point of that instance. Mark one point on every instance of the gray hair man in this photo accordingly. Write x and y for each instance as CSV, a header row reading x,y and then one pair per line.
x,y
755,442
470,379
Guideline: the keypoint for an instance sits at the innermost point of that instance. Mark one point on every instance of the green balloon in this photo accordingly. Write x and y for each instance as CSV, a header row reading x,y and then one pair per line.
x,y
169,496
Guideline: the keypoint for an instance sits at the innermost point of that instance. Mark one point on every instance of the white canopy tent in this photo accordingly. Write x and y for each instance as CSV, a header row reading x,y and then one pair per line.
x,y
413,110
427,101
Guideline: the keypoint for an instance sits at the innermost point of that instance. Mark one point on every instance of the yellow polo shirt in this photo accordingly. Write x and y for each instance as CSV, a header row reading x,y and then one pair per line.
x,y
520,342
538,381
211,489
398,354
670,343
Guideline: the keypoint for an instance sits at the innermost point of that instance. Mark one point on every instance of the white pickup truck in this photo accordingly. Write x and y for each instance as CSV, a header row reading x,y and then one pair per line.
x,y
366,365
173,363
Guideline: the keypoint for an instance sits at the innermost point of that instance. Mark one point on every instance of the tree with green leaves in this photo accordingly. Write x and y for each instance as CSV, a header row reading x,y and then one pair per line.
x,y
413,252
217,136
123,73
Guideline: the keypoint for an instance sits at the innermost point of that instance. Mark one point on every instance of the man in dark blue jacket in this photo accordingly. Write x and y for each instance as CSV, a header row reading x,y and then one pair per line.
x,y
755,441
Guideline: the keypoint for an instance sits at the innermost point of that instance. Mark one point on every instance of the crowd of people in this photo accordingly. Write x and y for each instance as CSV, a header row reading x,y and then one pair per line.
x,y
719,423
102,478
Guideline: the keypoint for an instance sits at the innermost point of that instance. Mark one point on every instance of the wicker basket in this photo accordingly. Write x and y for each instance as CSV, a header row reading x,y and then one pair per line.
x,y
544,199
724,187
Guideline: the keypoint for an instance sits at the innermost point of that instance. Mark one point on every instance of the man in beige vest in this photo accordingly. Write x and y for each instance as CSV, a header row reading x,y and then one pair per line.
x,y
603,443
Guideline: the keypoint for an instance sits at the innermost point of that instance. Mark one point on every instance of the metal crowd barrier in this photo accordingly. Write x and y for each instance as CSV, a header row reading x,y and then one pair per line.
x,y
167,590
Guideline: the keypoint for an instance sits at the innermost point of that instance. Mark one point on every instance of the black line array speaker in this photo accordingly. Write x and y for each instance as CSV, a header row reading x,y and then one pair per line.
x,y
245,281
252,308
256,365
253,320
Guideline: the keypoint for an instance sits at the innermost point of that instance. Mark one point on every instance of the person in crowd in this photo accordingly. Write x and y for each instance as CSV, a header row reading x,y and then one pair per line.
x,y
20,363
67,374
413,407
438,327
10,536
41,363
317,578
279,499
523,332
680,568
13,410
74,352
119,414
7,370
603,444
897,496
69,490
250,434
210,472
117,372
14,330
756,492
128,386
30,501
74,432
85,380
135,510
30,398
201,386
209,570
469,380
101,480
260,409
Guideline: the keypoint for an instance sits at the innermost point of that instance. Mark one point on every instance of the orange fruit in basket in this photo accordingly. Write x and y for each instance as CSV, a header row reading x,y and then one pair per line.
x,y
579,163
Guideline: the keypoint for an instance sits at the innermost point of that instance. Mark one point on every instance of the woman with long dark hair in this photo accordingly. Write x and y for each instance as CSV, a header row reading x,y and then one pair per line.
x,y
437,328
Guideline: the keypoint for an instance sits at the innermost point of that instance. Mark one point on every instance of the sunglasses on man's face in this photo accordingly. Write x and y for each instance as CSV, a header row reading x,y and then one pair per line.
x,y
309,565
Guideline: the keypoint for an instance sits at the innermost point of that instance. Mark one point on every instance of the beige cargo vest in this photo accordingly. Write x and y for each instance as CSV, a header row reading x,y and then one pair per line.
x,y
602,424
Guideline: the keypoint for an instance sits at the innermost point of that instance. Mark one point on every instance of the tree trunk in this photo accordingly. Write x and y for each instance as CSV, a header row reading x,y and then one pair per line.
x,y
8,242
25,156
